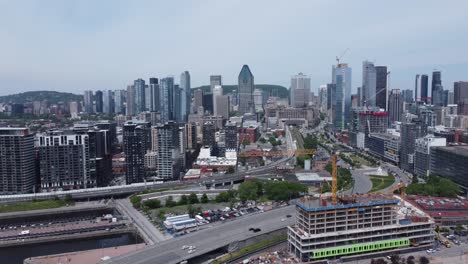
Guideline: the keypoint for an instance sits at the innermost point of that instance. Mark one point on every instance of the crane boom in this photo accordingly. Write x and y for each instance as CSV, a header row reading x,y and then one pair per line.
x,y
334,179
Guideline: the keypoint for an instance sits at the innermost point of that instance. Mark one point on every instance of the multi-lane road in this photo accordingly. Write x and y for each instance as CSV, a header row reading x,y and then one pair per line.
x,y
206,240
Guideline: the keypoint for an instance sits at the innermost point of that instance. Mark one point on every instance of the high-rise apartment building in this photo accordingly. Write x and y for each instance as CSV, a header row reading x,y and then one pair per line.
x,y
381,87
191,134
136,141
88,102
215,80
185,95
395,106
300,90
166,98
369,83
341,79
119,101
460,90
108,101
140,101
177,104
169,163
98,102
424,96
230,135
407,95
17,166
437,89
152,95
245,90
197,99
131,106
209,134
410,131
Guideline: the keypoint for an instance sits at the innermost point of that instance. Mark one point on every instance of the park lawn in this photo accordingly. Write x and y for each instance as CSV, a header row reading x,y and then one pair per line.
x,y
248,249
381,182
34,205
360,160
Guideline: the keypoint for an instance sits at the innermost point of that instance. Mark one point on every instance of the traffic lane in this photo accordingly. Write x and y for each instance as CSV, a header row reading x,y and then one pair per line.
x,y
210,239
362,183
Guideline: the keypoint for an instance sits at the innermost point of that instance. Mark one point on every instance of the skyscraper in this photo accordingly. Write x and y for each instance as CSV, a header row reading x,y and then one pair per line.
x,y
369,83
221,102
209,134
381,87
437,89
245,90
88,102
410,131
17,170
166,97
341,79
331,102
108,101
136,140
300,90
140,101
98,101
131,107
230,131
460,90
214,81
177,104
395,105
185,95
169,164
407,95
423,89
152,95
197,99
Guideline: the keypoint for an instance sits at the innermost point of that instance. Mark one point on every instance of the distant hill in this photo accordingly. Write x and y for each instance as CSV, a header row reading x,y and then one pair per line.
x,y
52,96
276,90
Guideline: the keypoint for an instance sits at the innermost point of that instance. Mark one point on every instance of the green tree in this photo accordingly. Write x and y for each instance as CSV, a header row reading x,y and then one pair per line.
x,y
193,199
183,200
283,191
245,142
68,198
222,197
170,201
162,214
248,191
262,140
204,199
152,204
230,170
192,211
136,201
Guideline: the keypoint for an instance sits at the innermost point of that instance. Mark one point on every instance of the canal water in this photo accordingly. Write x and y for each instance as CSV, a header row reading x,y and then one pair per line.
x,y
16,255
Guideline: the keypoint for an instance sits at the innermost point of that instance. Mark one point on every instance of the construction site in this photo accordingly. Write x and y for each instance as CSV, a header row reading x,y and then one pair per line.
x,y
357,224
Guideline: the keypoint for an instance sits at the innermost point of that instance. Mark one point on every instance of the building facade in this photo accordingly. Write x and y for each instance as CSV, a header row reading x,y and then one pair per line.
x,y
136,142
245,88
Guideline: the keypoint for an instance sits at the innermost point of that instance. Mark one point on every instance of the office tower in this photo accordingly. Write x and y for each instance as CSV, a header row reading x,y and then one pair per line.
x,y
369,82
88,102
221,103
245,90
450,162
341,79
416,86
407,95
98,101
395,105
450,98
436,86
209,134
410,131
323,98
169,164
110,132
331,102
230,135
17,166
381,87
119,101
108,102
460,90
359,95
152,95
208,102
177,104
131,106
64,162
191,133
74,109
300,90
186,95
215,80
166,97
136,141
197,99
424,88
140,88
217,91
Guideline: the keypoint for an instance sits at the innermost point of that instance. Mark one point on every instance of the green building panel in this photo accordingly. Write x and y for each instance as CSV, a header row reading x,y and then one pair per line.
x,y
360,248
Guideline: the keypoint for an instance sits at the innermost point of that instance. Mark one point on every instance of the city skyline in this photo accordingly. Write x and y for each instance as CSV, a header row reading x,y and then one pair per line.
x,y
92,42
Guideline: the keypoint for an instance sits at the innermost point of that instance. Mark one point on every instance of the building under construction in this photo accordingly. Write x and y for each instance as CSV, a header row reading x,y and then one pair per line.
x,y
357,224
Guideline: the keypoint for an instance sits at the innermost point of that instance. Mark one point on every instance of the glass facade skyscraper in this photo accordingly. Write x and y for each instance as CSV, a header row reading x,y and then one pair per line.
x,y
341,78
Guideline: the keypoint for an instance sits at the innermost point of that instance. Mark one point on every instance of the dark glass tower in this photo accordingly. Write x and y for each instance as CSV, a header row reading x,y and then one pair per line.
x,y
381,86
245,90
423,90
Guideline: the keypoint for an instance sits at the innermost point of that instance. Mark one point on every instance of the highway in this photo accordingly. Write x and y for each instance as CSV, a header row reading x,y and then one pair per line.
x,y
206,240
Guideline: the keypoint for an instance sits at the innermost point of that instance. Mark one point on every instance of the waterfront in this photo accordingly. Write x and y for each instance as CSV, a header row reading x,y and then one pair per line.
x,y
16,255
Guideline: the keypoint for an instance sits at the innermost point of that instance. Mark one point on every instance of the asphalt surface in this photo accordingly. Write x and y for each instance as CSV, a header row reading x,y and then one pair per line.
x,y
362,183
145,227
206,240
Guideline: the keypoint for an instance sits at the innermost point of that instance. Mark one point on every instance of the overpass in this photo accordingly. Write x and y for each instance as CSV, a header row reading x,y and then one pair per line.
x,y
220,235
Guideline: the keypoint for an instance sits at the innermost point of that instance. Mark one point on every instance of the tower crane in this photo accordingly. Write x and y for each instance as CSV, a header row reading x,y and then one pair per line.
x,y
338,58
334,178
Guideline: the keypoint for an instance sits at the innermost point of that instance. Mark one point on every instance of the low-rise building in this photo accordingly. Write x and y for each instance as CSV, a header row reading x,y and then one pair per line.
x,y
445,211
385,146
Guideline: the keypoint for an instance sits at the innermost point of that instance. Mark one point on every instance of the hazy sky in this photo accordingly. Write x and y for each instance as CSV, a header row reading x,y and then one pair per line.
x,y
73,46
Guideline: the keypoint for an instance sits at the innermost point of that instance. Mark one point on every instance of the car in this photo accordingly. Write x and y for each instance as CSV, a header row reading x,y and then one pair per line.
x,y
257,230
389,257
288,216
190,251
251,229
282,219
184,247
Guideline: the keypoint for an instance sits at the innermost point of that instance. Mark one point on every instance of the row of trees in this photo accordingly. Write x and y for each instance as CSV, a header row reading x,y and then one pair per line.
x,y
170,202
277,191
395,259
435,186
344,177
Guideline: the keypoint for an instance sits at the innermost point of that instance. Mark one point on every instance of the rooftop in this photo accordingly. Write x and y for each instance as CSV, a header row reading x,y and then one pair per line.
x,y
348,201
457,150
439,203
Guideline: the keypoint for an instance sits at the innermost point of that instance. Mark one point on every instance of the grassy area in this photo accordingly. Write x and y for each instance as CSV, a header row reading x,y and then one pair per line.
x,y
35,205
249,249
361,161
381,182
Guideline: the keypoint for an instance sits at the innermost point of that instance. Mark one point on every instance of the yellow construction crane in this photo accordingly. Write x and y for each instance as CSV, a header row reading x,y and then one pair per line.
x,y
277,153
334,179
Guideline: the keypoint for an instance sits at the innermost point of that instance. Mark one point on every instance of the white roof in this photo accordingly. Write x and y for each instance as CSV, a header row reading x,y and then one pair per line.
x,y
311,176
